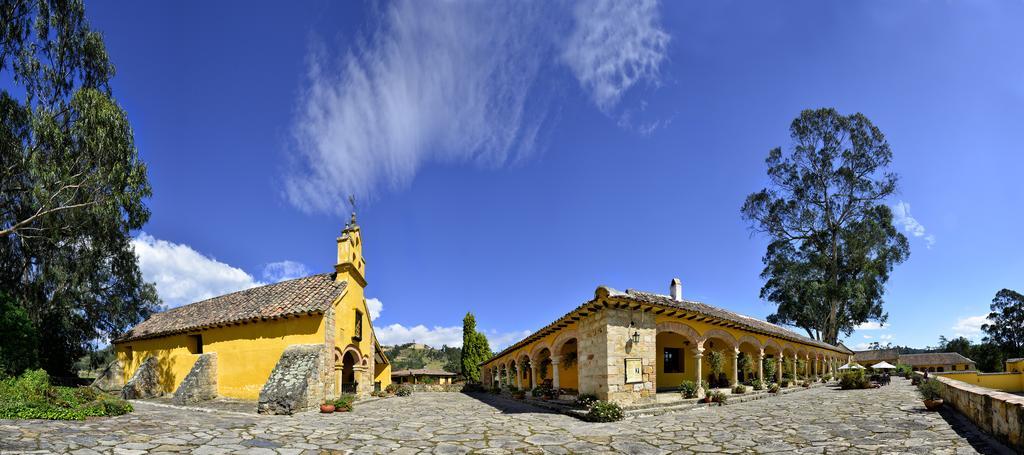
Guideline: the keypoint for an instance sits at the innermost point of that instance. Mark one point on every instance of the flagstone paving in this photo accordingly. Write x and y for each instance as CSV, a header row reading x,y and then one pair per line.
x,y
822,420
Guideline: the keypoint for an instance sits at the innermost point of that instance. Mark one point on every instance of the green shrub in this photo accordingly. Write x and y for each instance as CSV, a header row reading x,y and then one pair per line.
x,y
403,391
586,400
605,411
784,383
32,397
378,394
758,385
774,388
930,389
718,397
688,389
391,388
739,389
344,402
854,380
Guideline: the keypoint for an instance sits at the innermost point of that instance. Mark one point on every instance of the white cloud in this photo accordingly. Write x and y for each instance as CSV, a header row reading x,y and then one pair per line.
x,y
901,215
183,275
456,82
868,337
869,325
861,347
970,327
374,306
615,45
886,337
284,270
437,336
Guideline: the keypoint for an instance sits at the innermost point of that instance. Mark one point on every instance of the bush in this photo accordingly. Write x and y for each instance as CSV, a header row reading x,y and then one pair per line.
x,y
378,394
740,389
403,390
688,389
758,385
605,411
784,383
32,397
854,380
344,402
718,397
774,388
806,383
930,389
586,400
391,388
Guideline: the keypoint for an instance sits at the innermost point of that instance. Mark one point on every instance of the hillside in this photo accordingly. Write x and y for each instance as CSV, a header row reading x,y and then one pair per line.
x,y
417,355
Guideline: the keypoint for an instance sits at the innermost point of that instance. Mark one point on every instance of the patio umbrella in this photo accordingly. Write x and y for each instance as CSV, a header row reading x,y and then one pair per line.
x,y
851,366
883,365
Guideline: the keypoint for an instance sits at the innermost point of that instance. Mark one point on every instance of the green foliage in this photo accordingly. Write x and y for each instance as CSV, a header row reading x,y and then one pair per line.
x,y
403,390
391,388
31,396
774,388
475,349
688,389
743,363
988,356
768,366
854,379
757,384
72,187
718,397
930,389
715,362
739,389
1006,326
605,411
18,350
586,400
832,238
344,402
408,356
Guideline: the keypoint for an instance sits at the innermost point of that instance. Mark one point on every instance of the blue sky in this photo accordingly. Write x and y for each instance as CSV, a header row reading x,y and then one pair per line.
x,y
511,157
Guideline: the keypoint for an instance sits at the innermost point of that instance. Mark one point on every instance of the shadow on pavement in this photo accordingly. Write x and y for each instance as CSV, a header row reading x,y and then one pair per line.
x,y
507,405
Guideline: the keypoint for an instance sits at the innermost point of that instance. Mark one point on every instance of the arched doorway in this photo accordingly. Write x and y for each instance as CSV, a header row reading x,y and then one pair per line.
x,y
348,373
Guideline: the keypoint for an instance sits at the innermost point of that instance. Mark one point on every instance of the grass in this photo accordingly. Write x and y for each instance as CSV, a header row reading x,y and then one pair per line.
x,y
31,396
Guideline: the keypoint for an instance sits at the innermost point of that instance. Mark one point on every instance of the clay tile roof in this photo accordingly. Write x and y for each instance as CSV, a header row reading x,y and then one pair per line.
x,y
934,358
421,372
309,295
875,355
715,312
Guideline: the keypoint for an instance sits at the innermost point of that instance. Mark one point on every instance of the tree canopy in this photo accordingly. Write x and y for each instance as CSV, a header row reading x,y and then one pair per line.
x,y
832,242
71,187
1006,322
475,349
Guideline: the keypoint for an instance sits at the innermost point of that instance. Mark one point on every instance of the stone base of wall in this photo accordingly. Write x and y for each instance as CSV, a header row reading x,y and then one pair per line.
x,y
435,387
296,384
145,383
201,382
999,414
111,379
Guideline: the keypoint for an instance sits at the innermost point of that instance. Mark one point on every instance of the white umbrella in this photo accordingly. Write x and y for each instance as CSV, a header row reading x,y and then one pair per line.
x,y
851,366
883,365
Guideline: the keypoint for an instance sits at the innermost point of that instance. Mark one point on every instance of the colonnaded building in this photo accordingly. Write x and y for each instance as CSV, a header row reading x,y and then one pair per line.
x,y
627,346
289,345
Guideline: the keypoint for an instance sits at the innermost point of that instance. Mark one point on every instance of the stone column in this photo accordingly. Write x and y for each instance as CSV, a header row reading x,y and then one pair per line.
x,y
735,366
778,369
698,356
554,372
795,359
534,381
519,377
760,366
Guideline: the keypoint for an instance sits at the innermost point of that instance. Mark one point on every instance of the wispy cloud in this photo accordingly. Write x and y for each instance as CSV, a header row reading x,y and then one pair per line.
x,y
615,45
902,217
183,275
455,82
970,327
869,325
284,270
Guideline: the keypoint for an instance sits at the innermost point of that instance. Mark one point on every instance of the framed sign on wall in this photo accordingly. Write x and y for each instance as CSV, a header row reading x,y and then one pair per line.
x,y
634,371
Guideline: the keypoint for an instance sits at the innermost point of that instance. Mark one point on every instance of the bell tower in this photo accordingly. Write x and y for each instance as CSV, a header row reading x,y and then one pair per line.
x,y
351,266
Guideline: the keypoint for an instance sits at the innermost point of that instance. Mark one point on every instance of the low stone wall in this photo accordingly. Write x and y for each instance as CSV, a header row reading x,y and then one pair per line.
x,y
145,383
435,387
201,382
295,384
1000,414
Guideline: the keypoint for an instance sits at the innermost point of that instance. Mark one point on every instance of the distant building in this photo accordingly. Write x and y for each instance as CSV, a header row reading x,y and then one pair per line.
x,y
871,357
422,376
935,362
1015,365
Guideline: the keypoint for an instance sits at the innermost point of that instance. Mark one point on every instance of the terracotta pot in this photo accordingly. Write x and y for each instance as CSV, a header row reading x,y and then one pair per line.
x,y
327,408
933,405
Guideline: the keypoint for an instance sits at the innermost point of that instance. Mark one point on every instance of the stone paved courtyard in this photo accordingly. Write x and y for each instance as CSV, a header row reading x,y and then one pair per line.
x,y
821,420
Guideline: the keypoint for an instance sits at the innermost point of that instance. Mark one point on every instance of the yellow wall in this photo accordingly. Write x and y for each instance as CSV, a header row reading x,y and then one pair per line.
x,y
1006,382
246,354
1017,366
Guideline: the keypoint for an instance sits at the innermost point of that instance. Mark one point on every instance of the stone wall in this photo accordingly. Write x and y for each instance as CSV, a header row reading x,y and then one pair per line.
x,y
201,382
605,342
111,379
296,382
435,387
1000,414
145,383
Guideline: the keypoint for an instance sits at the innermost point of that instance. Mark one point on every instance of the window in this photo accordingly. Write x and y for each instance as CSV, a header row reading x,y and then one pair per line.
x,y
940,369
673,360
358,333
196,345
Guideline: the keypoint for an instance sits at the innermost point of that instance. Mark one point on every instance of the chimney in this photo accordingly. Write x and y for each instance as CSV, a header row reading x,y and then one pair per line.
x,y
676,290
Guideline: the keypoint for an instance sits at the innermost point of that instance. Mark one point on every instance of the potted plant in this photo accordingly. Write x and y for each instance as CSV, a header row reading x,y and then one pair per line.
x,y
327,407
931,392
344,402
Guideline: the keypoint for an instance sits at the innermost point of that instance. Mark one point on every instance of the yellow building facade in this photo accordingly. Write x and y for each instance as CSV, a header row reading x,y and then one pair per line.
x,y
247,333
628,346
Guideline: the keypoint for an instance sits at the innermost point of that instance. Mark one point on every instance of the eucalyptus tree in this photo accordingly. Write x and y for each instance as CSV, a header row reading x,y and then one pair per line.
x,y
832,242
71,187
1005,328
